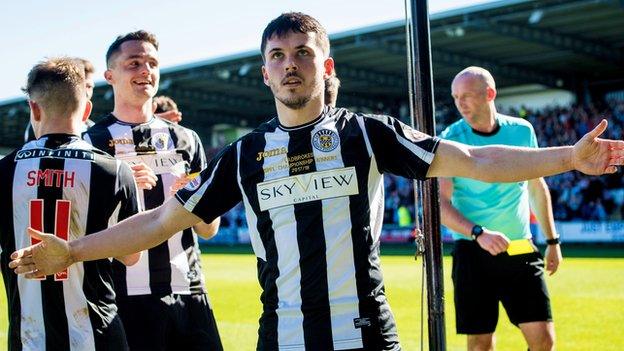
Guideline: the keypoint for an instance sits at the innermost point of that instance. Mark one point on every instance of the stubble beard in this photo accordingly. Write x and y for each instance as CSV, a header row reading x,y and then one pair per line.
x,y
295,103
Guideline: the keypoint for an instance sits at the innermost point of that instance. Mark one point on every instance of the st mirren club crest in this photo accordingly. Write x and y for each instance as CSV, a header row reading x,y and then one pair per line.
x,y
325,140
161,141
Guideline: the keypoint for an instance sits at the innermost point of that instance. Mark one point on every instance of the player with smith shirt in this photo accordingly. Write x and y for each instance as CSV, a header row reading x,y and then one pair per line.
x,y
61,184
315,226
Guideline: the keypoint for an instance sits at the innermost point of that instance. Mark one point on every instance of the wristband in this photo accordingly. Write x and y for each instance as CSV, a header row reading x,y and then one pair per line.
x,y
553,241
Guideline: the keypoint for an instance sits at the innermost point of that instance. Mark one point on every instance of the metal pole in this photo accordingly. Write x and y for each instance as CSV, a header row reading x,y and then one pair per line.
x,y
422,108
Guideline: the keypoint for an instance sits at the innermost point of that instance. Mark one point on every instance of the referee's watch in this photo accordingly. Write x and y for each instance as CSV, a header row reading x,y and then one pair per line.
x,y
553,241
476,231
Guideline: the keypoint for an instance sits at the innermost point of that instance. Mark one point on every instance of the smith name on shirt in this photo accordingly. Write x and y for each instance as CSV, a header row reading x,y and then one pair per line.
x,y
51,178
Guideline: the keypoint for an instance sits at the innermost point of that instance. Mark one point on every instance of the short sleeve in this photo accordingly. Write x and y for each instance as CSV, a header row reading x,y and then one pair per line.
x,y
215,190
400,149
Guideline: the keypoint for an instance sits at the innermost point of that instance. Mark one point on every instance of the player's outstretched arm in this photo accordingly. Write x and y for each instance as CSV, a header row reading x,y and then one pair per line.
x,y
129,260
139,232
207,230
590,155
204,230
596,156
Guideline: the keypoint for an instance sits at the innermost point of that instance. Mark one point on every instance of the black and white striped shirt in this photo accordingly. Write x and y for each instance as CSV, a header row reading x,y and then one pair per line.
x,y
313,198
60,184
173,266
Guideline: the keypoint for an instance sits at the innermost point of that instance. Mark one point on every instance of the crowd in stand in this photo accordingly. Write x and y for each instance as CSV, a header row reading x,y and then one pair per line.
x,y
574,196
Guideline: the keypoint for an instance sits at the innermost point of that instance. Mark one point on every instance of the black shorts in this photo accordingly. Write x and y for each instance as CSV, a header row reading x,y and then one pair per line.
x,y
482,280
111,338
171,322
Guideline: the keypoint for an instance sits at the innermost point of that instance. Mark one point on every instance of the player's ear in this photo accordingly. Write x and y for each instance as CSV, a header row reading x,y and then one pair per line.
x,y
35,110
265,76
491,93
87,111
108,75
328,68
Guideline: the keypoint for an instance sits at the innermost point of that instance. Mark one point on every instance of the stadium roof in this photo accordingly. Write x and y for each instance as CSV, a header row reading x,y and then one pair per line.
x,y
576,45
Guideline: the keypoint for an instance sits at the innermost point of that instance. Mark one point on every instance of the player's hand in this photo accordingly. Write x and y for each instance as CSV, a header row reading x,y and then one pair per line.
x,y
171,116
49,256
493,242
595,156
144,176
553,258
179,183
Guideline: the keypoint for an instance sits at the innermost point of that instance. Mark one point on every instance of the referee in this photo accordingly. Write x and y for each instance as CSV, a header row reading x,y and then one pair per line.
x,y
486,217
61,184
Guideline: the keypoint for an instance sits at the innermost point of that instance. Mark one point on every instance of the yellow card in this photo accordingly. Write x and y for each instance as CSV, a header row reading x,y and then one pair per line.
x,y
193,175
519,247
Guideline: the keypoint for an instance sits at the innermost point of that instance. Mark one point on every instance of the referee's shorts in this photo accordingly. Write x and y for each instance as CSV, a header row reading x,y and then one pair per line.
x,y
482,280
170,322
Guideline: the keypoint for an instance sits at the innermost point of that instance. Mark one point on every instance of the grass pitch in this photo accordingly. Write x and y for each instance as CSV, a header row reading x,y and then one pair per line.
x,y
587,295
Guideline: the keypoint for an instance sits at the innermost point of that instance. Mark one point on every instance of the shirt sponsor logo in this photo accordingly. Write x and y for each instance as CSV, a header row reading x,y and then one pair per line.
x,y
59,153
325,140
307,187
124,141
270,153
160,163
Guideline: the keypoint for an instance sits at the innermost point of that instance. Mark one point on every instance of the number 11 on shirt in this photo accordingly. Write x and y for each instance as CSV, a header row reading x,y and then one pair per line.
x,y
61,224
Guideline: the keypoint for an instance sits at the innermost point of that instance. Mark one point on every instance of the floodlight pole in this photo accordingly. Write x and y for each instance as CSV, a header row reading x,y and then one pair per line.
x,y
422,112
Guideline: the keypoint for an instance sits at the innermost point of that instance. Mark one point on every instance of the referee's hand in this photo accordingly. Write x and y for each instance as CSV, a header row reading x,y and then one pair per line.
x,y
553,258
493,242
49,256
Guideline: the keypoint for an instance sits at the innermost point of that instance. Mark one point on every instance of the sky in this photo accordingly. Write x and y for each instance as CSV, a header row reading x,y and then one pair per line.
x,y
188,31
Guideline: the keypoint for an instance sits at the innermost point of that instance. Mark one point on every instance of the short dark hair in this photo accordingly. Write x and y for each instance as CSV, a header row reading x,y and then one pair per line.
x,y
57,85
295,22
332,84
140,35
164,104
